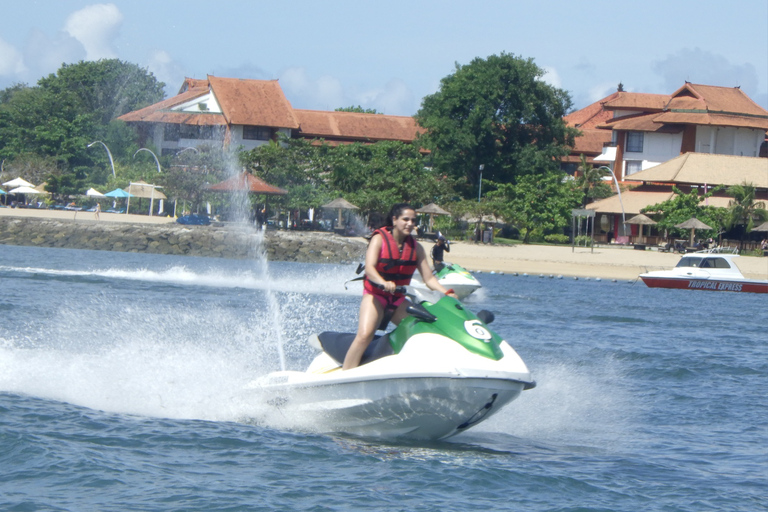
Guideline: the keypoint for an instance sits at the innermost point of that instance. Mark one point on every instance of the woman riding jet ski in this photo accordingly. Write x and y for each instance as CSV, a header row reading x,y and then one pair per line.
x,y
441,371
390,261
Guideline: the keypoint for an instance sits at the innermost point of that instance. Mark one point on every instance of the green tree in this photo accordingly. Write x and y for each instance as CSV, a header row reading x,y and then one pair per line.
x,y
743,209
358,109
497,112
375,176
106,88
190,173
66,111
536,204
682,207
296,165
591,183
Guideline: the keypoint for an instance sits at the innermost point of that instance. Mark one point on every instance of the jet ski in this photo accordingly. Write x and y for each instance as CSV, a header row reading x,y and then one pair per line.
x,y
453,276
437,374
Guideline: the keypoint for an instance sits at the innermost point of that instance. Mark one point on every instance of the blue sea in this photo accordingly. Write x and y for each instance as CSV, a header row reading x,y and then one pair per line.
x,y
121,379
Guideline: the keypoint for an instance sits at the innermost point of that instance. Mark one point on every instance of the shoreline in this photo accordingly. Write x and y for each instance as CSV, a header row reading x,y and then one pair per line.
x,y
620,263
605,262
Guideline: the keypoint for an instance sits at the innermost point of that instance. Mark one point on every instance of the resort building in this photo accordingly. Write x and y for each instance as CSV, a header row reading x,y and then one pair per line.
x,y
689,171
630,132
248,113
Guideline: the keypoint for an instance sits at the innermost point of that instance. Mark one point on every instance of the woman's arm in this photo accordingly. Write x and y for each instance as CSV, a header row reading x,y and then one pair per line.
x,y
426,273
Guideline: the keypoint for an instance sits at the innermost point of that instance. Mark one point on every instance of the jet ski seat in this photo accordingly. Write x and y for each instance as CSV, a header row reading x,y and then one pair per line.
x,y
336,345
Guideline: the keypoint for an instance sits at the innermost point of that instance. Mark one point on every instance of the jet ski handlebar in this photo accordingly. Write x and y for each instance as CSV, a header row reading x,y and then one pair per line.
x,y
400,289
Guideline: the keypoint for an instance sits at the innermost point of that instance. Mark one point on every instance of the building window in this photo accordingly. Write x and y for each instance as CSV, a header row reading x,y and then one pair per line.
x,y
171,132
256,133
634,166
635,142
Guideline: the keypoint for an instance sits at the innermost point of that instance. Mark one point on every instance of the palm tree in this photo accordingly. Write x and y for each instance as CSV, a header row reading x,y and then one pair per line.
x,y
743,209
591,182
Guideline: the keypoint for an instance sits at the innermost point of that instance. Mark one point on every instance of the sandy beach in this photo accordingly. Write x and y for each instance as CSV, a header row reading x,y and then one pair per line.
x,y
604,262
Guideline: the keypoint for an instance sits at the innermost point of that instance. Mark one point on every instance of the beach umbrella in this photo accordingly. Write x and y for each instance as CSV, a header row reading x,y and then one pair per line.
x,y
762,227
92,192
118,192
25,190
2,191
340,204
432,209
641,220
693,224
18,182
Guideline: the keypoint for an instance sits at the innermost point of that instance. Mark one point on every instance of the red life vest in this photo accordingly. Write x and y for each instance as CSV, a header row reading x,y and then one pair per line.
x,y
393,265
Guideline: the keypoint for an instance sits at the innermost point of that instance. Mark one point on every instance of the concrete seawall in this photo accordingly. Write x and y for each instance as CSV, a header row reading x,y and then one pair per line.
x,y
227,241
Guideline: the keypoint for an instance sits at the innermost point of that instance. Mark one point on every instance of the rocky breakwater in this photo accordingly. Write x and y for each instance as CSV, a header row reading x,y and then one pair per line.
x,y
226,241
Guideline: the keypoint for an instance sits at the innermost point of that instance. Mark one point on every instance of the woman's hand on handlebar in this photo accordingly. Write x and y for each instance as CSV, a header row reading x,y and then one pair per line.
x,y
389,286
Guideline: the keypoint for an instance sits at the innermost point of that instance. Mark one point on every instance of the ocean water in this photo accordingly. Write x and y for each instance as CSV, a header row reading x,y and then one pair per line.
x,y
121,378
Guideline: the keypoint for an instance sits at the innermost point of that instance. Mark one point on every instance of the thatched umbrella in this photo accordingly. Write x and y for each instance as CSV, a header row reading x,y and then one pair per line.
x,y
762,227
693,224
247,183
142,189
432,209
641,220
340,204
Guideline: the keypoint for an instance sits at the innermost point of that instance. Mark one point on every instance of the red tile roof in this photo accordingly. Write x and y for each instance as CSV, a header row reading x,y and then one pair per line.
x,y
355,126
253,102
637,101
161,112
247,182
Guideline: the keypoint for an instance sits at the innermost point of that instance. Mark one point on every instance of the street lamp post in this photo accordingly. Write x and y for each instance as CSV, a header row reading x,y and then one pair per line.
x,y
618,191
111,162
153,156
480,182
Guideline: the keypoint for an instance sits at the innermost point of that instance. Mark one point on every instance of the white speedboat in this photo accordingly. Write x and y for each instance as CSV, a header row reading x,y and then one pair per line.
x,y
438,373
705,270
452,276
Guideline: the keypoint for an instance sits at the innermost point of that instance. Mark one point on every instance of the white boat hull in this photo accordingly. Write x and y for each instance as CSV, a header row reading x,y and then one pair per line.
x,y
416,408
432,390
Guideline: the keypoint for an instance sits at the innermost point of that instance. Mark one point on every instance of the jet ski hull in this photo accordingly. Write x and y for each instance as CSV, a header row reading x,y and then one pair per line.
x,y
416,407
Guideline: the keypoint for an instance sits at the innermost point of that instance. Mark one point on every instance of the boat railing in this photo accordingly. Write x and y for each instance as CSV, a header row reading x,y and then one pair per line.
x,y
719,250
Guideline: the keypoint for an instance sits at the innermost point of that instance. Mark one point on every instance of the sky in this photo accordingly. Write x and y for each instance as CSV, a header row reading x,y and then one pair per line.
x,y
389,55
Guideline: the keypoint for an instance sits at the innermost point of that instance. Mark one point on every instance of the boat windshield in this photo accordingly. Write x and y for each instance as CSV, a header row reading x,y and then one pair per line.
x,y
689,261
715,263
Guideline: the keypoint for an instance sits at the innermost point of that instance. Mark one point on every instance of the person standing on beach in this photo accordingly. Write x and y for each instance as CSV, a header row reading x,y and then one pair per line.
x,y
97,210
393,255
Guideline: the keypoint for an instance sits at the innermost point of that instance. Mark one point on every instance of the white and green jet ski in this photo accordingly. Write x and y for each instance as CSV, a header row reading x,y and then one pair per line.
x,y
452,276
437,374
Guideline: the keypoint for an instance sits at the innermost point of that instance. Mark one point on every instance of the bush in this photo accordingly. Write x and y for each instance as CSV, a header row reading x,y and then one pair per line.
x,y
557,239
583,240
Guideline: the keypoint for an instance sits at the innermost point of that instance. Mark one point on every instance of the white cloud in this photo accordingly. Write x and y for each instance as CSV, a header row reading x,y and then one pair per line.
x,y
328,93
11,61
551,77
166,70
600,91
394,99
95,27
302,91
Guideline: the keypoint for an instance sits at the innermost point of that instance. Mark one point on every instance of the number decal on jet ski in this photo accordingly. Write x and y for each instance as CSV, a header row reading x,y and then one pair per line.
x,y
475,329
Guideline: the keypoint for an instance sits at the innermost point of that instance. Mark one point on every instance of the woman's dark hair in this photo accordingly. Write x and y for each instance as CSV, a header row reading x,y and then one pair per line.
x,y
396,211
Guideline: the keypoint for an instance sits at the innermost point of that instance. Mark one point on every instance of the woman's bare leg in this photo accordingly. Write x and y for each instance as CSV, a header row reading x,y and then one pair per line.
x,y
371,313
